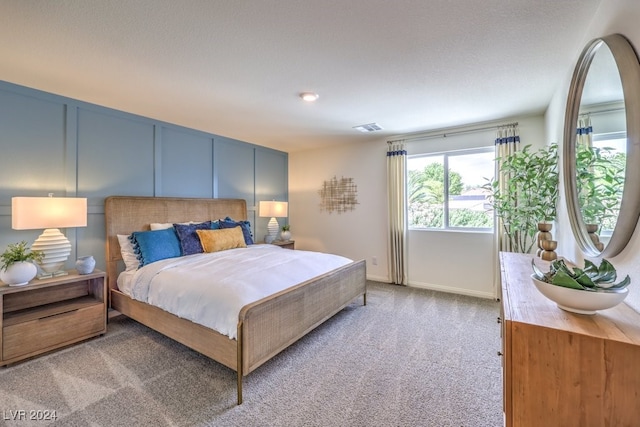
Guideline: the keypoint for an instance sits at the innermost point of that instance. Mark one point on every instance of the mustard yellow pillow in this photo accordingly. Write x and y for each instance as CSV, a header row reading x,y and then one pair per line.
x,y
222,239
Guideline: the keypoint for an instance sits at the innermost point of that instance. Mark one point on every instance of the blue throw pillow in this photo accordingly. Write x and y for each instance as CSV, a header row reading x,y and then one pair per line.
x,y
189,240
151,246
244,225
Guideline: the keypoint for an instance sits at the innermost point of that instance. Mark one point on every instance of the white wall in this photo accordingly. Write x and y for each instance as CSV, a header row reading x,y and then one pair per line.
x,y
613,16
447,261
357,234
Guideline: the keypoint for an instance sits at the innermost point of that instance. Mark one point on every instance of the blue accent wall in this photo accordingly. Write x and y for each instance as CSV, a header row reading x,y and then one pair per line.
x,y
54,144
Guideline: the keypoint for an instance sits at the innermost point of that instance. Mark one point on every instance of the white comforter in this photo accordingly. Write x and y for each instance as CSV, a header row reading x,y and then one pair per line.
x,y
211,288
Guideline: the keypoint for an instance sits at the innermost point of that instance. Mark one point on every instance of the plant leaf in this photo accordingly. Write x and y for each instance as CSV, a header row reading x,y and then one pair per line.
x,y
623,284
561,278
606,272
539,274
583,278
562,267
590,268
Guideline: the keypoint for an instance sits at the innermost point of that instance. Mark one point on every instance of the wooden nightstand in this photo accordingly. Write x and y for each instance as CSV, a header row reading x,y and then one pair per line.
x,y
51,313
286,244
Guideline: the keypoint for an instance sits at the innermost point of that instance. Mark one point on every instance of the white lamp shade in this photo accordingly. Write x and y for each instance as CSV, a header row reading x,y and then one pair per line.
x,y
273,209
49,213
29,213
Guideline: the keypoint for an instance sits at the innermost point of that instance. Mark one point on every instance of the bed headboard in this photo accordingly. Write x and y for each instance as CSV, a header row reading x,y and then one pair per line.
x,y
126,214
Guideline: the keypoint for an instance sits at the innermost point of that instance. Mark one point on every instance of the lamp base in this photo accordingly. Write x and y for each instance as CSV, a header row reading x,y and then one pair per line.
x,y
273,228
51,275
56,249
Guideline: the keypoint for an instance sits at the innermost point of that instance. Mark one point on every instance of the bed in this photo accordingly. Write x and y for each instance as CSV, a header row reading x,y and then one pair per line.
x,y
264,327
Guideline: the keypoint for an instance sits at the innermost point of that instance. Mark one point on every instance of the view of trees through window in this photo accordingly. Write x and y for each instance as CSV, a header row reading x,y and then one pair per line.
x,y
445,190
601,171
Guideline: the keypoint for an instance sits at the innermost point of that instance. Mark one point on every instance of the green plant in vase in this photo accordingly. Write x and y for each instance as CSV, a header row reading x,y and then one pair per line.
x,y
591,278
18,252
17,266
527,195
285,233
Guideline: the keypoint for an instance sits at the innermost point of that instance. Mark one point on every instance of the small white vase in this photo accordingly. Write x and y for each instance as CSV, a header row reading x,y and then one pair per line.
x,y
19,273
85,264
285,235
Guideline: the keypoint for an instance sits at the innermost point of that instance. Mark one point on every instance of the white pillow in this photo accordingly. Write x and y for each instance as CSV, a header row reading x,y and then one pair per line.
x,y
131,261
165,225
160,225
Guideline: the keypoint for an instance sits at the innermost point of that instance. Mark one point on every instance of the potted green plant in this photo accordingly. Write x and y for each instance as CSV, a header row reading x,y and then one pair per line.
x,y
17,264
285,234
527,195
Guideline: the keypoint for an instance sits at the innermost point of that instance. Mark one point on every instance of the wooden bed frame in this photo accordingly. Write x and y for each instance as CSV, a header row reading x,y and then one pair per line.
x,y
265,327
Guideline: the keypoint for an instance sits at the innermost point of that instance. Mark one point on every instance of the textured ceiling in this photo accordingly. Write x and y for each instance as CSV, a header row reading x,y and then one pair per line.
x,y
235,68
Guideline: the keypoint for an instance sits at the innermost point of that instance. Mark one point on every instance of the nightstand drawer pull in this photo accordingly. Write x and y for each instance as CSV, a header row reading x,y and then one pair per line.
x,y
58,314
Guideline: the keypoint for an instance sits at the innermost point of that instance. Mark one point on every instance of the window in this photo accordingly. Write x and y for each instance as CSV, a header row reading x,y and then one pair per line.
x,y
615,141
444,191
609,176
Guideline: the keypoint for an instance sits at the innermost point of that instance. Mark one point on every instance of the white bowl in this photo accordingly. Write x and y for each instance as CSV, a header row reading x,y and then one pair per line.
x,y
579,301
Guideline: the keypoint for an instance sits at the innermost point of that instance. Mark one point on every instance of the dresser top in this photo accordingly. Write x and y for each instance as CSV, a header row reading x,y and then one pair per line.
x,y
523,303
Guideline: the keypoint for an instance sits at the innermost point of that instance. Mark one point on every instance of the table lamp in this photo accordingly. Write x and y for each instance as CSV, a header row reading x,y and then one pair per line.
x,y
49,213
273,209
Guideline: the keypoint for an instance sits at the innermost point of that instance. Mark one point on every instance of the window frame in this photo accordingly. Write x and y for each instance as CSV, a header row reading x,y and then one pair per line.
x,y
445,162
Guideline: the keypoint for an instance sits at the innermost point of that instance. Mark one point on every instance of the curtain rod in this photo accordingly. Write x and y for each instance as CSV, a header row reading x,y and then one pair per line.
x,y
455,132
596,112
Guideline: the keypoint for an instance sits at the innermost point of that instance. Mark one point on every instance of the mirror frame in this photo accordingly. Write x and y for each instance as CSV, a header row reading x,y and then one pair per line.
x,y
629,69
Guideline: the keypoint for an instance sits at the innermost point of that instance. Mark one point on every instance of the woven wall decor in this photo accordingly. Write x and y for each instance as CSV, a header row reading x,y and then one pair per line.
x,y
338,195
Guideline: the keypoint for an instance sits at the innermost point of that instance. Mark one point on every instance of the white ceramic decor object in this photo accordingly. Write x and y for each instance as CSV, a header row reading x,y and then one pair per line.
x,y
579,301
19,273
85,264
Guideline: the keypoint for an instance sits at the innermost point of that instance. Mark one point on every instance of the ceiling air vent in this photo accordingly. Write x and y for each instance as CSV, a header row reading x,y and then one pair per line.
x,y
369,127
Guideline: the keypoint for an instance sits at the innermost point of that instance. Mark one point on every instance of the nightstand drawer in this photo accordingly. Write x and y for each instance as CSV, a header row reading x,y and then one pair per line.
x,y
52,331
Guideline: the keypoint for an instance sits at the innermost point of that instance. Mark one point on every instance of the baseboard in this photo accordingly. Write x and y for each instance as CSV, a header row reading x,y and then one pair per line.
x,y
378,279
452,290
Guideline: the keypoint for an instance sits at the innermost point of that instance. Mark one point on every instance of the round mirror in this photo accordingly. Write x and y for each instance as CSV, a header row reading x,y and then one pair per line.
x,y
602,146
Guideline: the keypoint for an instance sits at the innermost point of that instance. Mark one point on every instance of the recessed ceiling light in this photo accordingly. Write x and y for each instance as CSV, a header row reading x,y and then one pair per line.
x,y
309,96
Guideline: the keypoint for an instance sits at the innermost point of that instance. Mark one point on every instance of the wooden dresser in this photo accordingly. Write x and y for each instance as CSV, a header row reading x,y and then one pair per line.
x,y
565,369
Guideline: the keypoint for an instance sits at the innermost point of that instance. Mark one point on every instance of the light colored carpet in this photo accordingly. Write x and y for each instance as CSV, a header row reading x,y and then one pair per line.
x,y
409,357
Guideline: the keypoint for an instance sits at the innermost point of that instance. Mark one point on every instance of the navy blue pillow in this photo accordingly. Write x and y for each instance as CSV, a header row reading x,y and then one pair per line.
x,y
151,246
189,240
244,225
